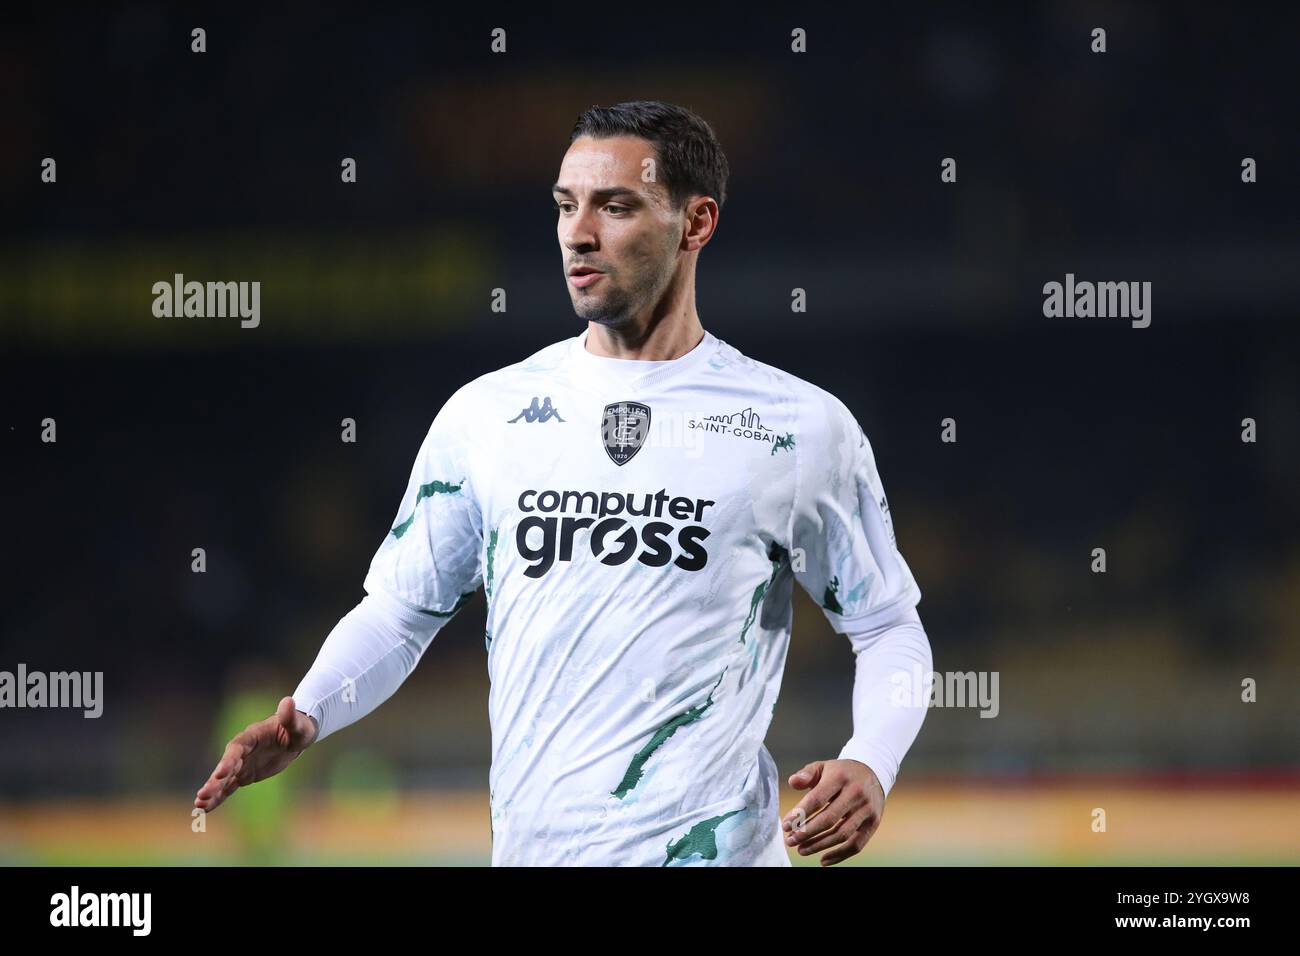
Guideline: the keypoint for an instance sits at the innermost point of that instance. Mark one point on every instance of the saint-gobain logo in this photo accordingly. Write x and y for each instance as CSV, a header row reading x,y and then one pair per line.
x,y
623,429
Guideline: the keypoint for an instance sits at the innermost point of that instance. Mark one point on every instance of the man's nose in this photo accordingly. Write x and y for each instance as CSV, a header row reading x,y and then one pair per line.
x,y
579,233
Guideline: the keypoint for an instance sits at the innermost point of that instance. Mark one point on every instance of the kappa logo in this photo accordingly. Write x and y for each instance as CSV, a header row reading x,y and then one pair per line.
x,y
538,413
623,429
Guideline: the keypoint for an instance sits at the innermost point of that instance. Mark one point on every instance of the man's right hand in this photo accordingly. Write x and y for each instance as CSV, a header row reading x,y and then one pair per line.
x,y
261,750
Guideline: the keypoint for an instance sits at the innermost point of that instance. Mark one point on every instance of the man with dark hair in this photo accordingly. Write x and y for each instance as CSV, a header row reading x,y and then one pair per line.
x,y
691,158
637,502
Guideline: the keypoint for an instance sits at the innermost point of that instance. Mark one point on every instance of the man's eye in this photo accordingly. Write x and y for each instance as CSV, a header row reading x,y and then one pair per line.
x,y
618,209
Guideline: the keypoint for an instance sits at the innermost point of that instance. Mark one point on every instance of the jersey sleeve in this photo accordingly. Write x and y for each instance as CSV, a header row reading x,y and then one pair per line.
x,y
845,553
429,559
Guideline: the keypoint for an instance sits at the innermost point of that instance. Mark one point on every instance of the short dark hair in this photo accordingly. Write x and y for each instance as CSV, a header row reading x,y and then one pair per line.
x,y
691,161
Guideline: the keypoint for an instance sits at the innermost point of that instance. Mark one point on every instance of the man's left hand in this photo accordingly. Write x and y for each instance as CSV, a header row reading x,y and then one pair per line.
x,y
840,812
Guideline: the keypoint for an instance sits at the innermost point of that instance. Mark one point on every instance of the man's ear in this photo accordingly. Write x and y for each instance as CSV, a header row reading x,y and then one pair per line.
x,y
701,222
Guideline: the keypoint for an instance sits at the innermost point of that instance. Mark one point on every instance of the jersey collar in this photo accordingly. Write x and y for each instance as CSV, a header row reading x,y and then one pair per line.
x,y
637,372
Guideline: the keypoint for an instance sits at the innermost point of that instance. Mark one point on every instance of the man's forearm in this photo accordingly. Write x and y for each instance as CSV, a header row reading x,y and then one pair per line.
x,y
365,658
888,710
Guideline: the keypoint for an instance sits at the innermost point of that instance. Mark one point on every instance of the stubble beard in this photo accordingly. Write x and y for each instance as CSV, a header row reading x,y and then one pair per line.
x,y
618,307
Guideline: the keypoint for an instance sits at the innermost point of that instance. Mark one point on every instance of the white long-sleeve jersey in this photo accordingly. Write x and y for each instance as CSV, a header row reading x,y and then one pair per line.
x,y
637,527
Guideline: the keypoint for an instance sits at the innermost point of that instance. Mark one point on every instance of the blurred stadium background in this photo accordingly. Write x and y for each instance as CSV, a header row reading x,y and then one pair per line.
x,y
1120,691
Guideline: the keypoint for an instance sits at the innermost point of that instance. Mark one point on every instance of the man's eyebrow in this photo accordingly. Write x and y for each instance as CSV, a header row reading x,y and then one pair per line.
x,y
608,192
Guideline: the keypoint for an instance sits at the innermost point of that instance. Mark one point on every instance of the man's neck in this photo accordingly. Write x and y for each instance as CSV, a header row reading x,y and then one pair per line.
x,y
653,342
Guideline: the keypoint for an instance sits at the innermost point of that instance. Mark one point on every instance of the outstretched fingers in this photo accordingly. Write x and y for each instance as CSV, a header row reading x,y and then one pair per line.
x,y
225,776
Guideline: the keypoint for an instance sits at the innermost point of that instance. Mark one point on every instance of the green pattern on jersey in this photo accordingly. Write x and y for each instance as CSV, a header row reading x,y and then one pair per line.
x,y
701,838
491,553
777,555
632,776
787,442
829,601
487,584
427,491
460,603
